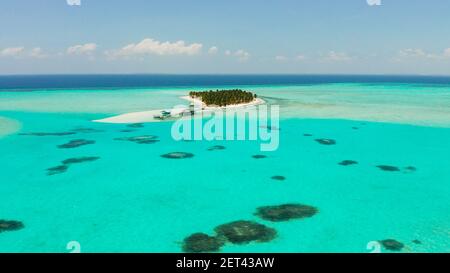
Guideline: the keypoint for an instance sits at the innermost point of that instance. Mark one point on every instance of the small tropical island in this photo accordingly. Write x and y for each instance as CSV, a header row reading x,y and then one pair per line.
x,y
223,97
200,102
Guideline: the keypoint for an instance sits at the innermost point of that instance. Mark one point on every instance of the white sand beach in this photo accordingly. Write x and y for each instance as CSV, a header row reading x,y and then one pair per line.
x,y
135,117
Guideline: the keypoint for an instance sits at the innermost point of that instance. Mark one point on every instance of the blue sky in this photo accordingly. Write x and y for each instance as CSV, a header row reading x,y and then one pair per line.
x,y
225,36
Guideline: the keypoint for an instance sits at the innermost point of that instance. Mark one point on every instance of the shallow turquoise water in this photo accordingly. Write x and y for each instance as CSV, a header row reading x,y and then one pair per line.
x,y
133,200
426,104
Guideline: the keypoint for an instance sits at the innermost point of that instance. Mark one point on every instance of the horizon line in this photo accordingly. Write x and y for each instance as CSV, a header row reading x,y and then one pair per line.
x,y
225,74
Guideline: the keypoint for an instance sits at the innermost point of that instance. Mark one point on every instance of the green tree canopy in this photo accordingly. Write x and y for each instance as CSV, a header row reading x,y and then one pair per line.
x,y
223,97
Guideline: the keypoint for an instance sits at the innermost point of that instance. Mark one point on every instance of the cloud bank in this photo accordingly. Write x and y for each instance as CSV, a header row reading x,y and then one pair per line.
x,y
12,51
154,47
85,49
417,53
213,50
334,56
240,54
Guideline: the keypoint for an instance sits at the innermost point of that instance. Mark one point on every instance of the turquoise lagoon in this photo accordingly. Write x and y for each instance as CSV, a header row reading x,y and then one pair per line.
x,y
133,200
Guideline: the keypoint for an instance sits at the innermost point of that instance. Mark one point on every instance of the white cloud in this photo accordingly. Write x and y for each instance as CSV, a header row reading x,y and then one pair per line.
x,y
37,53
447,53
417,53
412,52
153,47
12,51
240,54
374,2
333,56
213,50
300,57
74,2
281,58
82,49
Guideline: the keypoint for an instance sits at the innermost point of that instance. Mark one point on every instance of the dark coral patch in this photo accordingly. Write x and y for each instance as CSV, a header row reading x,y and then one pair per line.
x,y
135,125
388,168
308,135
391,244
6,225
348,162
286,212
259,156
216,148
355,128
417,242
410,169
325,141
200,242
87,130
77,160
146,139
278,177
76,143
243,232
57,170
48,134
177,155
66,163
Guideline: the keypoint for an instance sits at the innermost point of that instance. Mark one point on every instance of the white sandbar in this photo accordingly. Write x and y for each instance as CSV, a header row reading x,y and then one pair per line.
x,y
148,116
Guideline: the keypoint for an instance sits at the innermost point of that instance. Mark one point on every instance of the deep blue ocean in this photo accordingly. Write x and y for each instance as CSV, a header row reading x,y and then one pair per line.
x,y
32,82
